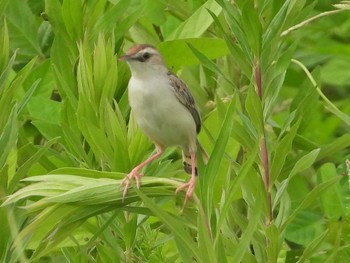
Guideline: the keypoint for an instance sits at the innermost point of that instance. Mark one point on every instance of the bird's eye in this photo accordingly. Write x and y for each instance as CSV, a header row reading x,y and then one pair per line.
x,y
146,55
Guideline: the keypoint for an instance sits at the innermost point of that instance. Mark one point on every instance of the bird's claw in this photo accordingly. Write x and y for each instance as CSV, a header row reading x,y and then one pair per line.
x,y
134,174
190,185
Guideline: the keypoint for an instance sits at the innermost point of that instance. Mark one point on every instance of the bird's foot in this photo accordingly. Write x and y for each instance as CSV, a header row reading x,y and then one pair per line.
x,y
190,185
134,174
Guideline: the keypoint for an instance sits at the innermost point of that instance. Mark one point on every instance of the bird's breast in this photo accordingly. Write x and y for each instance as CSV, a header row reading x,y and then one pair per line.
x,y
158,112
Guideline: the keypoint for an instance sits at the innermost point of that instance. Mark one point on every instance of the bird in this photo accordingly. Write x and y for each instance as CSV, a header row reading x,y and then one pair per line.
x,y
164,109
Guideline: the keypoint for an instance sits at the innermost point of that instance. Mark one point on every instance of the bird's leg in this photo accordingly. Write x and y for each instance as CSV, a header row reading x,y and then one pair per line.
x,y
190,185
135,173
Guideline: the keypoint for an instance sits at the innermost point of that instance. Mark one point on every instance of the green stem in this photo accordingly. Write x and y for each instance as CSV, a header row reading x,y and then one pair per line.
x,y
331,107
286,32
263,146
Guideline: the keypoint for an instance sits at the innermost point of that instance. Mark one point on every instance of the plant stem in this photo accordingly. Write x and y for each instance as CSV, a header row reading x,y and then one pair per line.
x,y
331,107
295,27
263,145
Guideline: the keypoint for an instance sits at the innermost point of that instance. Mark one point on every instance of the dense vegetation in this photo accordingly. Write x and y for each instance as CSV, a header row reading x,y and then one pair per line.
x,y
271,79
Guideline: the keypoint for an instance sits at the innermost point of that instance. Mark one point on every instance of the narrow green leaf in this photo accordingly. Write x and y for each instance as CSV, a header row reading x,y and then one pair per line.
x,y
275,27
302,164
254,109
24,168
249,231
234,49
210,174
251,25
8,136
5,47
312,247
210,64
234,187
206,246
281,151
172,223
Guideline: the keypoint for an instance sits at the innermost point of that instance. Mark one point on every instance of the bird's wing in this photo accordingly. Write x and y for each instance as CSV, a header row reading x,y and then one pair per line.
x,y
184,95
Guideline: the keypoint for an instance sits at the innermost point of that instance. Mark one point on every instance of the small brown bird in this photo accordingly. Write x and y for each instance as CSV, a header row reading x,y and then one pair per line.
x,y
164,109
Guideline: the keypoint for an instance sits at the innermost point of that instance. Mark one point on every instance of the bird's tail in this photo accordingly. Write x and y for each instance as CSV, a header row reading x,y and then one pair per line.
x,y
186,159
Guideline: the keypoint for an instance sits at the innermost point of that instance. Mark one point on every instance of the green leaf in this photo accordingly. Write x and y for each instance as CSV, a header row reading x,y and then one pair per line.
x,y
178,53
310,198
249,231
254,109
234,49
275,27
198,23
154,11
172,223
302,164
281,151
24,168
210,176
22,30
304,228
209,64
5,46
312,247
332,201
251,25
235,186
8,136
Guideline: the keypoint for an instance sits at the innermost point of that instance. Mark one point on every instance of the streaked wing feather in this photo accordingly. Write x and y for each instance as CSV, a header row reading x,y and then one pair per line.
x,y
185,97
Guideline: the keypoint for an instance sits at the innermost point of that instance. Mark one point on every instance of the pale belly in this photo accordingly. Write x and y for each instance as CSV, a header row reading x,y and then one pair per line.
x,y
161,116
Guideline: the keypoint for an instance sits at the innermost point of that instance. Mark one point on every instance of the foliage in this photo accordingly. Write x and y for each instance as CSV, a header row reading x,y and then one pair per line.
x,y
271,80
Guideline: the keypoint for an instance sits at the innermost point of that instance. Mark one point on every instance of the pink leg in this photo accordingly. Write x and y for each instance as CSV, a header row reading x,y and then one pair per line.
x,y
190,185
135,173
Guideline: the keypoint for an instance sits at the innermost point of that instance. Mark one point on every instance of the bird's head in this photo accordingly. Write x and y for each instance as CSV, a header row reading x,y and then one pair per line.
x,y
143,58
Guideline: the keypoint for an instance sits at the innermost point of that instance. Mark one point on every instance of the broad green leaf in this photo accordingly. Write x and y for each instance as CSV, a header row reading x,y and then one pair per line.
x,y
44,109
310,198
154,11
178,53
22,30
198,23
332,202
304,228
